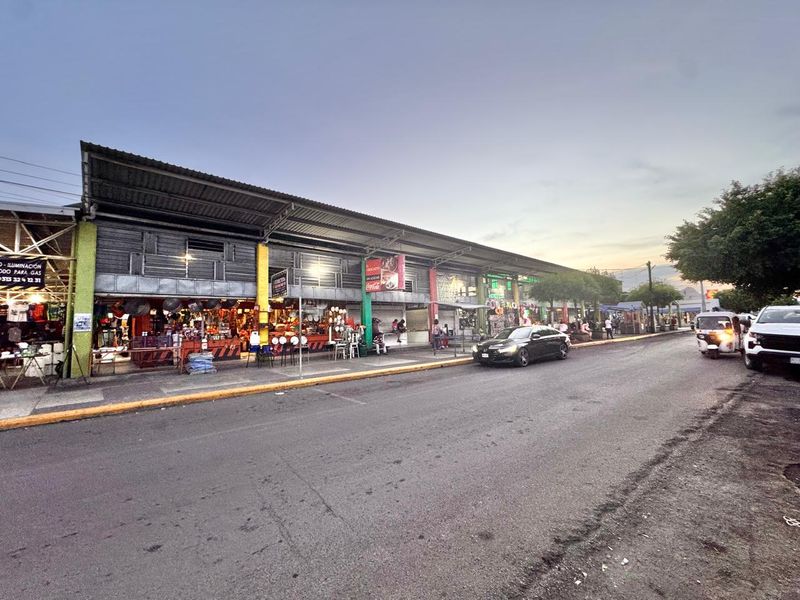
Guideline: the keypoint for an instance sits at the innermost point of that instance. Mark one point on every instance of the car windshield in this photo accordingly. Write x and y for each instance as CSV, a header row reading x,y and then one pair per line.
x,y
713,322
514,333
780,315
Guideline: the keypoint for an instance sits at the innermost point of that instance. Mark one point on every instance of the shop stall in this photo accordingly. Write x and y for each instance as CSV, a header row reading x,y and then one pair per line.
x,y
29,323
162,332
323,322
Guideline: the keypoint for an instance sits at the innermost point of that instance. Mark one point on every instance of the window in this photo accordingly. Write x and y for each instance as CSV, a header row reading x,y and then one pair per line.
x,y
205,245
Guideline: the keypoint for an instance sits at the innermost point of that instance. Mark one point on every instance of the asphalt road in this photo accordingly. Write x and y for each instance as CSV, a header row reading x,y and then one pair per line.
x,y
449,483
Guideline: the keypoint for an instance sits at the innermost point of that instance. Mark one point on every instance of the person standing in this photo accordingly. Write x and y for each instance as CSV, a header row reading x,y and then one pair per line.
x,y
609,329
437,334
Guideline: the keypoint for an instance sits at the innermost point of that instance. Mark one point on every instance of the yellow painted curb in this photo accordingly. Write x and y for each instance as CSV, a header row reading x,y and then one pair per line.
x,y
124,407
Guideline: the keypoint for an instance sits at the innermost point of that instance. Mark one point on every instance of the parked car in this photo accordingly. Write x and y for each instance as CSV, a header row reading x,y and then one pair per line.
x,y
522,345
773,337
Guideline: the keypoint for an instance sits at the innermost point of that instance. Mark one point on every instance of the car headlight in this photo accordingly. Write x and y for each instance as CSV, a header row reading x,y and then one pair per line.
x,y
508,349
474,347
756,338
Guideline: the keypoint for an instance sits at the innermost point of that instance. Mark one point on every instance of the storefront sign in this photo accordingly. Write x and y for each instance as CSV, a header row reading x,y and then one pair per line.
x,y
21,274
280,284
386,274
82,322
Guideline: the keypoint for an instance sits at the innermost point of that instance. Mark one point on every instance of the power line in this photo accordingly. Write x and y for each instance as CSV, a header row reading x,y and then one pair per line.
x,y
42,178
30,164
36,187
16,196
35,200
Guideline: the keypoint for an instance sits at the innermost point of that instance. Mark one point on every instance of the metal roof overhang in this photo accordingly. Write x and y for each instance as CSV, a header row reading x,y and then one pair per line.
x,y
125,187
35,231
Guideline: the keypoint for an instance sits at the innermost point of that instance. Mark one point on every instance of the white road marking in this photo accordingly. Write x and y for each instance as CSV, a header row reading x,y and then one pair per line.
x,y
321,391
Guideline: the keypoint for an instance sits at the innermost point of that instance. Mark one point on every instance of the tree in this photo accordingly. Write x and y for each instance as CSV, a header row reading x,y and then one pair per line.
x,y
549,288
751,239
736,300
577,286
662,295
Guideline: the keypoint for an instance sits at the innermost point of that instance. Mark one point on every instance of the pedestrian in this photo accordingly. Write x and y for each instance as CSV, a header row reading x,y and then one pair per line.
x,y
394,326
445,336
609,329
437,334
563,327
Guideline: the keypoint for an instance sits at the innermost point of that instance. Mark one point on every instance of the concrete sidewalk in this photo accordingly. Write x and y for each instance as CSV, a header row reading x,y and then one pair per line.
x,y
231,379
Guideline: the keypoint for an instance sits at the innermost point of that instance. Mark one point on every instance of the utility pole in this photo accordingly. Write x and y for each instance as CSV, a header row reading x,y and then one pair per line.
x,y
652,316
702,297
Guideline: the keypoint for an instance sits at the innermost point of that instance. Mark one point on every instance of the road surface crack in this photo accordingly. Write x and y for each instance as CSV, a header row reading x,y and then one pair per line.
x,y
617,498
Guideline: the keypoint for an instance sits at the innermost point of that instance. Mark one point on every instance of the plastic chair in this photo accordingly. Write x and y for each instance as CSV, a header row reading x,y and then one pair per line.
x,y
352,349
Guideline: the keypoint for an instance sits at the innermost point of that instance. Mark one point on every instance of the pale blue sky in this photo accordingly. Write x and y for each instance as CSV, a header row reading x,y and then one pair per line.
x,y
576,132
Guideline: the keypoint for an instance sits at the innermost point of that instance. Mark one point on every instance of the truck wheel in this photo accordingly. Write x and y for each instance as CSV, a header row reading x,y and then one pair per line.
x,y
753,363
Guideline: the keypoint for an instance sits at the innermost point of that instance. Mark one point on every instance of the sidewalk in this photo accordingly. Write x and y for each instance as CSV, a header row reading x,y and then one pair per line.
x,y
232,378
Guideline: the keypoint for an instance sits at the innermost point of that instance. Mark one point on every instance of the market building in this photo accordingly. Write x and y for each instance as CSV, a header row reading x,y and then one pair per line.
x,y
37,276
167,260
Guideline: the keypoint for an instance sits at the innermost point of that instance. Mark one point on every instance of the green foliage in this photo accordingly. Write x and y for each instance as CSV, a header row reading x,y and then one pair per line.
x,y
578,287
609,288
663,294
737,300
751,239
783,300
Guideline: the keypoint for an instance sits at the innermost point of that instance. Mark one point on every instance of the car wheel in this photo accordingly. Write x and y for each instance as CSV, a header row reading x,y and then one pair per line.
x,y
752,363
563,352
523,359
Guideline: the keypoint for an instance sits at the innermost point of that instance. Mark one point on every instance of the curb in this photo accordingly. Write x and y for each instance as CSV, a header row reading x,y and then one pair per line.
x,y
163,402
634,338
125,407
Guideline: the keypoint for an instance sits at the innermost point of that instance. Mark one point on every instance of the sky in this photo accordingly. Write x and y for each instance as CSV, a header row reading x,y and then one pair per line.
x,y
580,133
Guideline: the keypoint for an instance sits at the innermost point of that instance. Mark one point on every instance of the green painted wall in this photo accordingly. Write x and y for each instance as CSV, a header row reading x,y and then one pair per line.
x,y
83,298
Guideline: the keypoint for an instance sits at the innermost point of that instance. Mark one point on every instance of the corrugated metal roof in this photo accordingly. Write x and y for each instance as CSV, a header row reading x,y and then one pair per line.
x,y
125,186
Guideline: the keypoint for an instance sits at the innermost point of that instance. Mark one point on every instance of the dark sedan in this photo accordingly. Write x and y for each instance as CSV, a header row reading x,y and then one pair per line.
x,y
522,345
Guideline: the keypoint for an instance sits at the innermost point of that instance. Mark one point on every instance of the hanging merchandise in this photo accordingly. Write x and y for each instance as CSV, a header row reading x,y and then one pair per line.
x,y
172,304
17,312
55,312
37,313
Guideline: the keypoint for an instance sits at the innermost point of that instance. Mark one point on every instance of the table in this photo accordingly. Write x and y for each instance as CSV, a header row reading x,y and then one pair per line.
x,y
27,361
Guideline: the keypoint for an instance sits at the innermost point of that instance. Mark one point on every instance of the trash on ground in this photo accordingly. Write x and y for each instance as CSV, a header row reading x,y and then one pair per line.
x,y
625,561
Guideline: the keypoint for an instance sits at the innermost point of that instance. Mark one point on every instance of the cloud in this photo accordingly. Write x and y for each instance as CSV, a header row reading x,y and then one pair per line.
x,y
631,244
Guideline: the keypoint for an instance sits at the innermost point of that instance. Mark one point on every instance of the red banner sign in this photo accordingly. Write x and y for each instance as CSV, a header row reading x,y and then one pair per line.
x,y
386,274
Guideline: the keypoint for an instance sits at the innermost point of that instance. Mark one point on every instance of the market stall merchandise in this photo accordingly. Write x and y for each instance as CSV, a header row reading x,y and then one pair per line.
x,y
162,332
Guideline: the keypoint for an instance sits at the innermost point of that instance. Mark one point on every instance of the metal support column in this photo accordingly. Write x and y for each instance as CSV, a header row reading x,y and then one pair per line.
x,y
481,295
366,305
83,298
433,307
262,291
